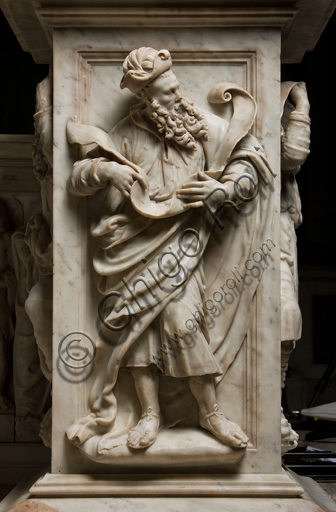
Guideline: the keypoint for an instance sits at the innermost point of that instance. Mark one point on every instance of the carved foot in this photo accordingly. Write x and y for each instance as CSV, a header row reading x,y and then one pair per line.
x,y
227,431
289,438
146,431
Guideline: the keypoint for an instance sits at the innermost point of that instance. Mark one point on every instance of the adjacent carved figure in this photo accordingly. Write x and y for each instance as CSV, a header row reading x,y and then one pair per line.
x,y
38,237
38,231
32,249
295,144
160,175
30,388
7,300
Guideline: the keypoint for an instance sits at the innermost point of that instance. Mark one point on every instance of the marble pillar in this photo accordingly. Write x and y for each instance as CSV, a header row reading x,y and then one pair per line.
x,y
155,110
87,72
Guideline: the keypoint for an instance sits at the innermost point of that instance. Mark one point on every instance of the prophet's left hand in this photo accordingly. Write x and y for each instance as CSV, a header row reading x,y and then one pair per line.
x,y
204,189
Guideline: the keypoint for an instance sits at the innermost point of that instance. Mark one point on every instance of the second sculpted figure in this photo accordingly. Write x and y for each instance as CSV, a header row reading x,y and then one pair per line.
x,y
295,142
160,175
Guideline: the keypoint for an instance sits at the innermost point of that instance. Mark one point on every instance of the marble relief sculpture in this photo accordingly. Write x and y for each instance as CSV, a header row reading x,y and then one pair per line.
x,y
32,249
39,229
295,144
184,197
38,237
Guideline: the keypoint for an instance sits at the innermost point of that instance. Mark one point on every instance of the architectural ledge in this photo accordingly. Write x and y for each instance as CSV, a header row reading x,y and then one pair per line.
x,y
16,150
165,17
302,21
168,485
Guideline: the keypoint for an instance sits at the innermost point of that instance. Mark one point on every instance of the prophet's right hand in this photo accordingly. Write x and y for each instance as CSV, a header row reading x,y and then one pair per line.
x,y
121,176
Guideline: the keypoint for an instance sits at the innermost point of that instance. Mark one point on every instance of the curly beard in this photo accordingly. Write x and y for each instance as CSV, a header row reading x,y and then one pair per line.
x,y
183,124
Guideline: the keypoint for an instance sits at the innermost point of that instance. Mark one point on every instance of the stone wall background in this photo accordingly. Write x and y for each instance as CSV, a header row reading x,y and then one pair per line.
x,y
19,77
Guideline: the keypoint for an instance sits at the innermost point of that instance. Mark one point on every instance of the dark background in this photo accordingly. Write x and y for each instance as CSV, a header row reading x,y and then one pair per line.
x,y
19,77
317,179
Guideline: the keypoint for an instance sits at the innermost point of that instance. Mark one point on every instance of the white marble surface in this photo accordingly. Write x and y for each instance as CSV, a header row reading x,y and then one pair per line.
x,y
93,61
166,505
300,36
186,504
314,499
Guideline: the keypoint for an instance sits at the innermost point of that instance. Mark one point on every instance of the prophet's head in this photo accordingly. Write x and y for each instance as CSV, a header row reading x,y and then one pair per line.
x,y
148,74
142,66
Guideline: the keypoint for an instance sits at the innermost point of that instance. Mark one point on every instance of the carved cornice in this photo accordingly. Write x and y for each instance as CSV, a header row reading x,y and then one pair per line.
x,y
81,17
16,150
27,19
16,169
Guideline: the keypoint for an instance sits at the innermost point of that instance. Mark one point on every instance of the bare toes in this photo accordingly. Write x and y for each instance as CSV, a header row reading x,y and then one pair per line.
x,y
147,439
242,442
242,437
133,438
233,441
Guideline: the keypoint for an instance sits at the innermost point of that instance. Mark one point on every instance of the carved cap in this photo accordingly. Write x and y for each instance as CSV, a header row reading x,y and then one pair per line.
x,y
142,66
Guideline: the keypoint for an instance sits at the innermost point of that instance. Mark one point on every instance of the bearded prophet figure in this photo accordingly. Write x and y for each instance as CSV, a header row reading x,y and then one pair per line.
x,y
156,168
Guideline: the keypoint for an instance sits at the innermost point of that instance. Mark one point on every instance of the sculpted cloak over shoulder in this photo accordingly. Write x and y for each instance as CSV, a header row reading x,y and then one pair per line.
x,y
163,252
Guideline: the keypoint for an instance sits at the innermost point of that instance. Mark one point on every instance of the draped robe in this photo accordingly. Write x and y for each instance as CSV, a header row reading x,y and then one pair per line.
x,y
127,257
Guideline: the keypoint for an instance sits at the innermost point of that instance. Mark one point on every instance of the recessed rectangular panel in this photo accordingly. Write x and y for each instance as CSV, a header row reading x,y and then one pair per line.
x,y
87,71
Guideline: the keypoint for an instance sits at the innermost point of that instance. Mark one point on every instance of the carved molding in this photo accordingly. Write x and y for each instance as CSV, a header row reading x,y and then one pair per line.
x,y
84,65
297,37
247,59
168,485
15,150
16,166
87,60
69,17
